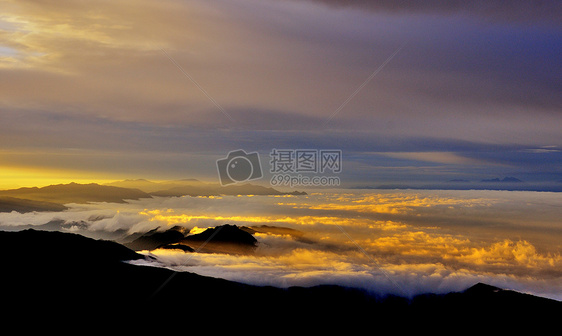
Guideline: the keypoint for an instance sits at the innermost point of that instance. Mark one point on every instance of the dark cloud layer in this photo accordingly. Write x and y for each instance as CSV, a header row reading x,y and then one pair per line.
x,y
91,79
520,11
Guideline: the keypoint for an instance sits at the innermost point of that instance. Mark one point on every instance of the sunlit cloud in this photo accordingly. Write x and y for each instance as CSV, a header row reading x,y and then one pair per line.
x,y
420,241
509,253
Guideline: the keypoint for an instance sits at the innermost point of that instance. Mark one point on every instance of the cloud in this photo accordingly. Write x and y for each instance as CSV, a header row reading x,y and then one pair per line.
x,y
519,11
424,241
95,73
438,157
105,59
514,254
306,267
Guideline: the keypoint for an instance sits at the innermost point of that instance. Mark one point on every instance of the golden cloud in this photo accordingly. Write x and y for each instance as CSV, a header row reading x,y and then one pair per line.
x,y
394,203
509,253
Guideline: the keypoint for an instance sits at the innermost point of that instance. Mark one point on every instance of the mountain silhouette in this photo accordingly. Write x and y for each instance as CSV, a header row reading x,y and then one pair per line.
x,y
222,239
154,239
64,276
53,197
9,204
224,233
181,247
151,186
76,193
33,245
507,179
207,189
193,187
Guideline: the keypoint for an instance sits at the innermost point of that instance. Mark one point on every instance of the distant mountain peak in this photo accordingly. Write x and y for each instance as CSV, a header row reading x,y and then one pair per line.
x,y
482,288
509,179
227,233
154,239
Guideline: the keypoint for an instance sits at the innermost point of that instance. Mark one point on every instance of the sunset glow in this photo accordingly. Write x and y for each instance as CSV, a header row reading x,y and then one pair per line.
x,y
400,148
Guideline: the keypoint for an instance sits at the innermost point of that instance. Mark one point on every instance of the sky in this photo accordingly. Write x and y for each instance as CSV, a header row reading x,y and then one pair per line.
x,y
411,241
410,93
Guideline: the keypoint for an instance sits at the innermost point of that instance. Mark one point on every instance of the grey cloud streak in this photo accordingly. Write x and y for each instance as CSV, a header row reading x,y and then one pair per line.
x,y
521,11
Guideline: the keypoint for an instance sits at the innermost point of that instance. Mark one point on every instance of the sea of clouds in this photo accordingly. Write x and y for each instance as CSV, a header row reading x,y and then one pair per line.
x,y
388,242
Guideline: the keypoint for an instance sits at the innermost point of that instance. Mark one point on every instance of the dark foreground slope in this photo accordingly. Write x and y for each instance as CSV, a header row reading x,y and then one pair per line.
x,y
66,275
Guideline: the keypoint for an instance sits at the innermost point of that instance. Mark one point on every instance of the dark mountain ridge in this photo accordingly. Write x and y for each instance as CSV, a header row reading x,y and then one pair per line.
x,y
154,239
76,193
83,277
507,179
225,238
226,233
53,197
21,205
193,187
222,239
